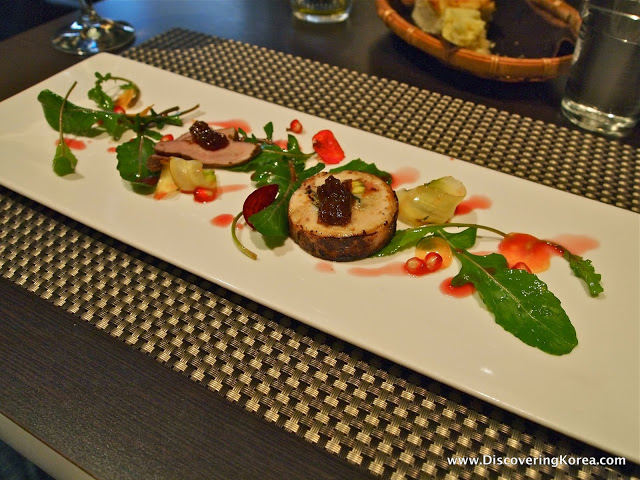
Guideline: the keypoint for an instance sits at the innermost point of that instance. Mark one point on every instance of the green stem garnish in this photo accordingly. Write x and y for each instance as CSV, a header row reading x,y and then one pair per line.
x,y
237,241
64,161
104,101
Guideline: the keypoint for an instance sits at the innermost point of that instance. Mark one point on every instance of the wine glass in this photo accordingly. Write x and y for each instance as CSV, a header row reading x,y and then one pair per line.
x,y
91,33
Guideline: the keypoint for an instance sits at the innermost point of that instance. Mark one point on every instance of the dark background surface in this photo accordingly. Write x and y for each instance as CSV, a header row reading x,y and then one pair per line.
x,y
16,16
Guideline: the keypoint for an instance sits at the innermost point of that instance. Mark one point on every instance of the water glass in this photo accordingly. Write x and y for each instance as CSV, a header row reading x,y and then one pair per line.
x,y
321,11
603,88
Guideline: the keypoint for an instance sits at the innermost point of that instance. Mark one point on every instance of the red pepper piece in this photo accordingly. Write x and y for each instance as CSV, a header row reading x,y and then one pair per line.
x,y
327,147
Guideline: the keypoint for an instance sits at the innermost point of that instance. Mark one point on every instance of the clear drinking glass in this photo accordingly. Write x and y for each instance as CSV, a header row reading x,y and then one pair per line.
x,y
321,11
603,88
91,33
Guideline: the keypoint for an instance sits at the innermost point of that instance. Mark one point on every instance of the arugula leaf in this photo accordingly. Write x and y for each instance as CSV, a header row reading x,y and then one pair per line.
x,y
405,239
362,166
268,130
132,161
104,101
273,221
583,268
98,95
64,161
410,237
520,302
75,120
90,123
463,240
272,153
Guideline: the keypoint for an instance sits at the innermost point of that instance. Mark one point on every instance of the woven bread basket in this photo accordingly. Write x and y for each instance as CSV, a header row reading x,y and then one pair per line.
x,y
492,66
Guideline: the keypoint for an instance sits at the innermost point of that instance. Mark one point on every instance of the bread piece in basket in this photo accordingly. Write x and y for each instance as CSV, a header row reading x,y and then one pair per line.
x,y
461,22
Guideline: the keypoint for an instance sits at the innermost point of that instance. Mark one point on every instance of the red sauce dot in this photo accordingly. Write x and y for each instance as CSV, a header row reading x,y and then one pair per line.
x,y
475,202
462,291
403,176
392,269
281,143
111,149
223,220
73,143
325,267
229,188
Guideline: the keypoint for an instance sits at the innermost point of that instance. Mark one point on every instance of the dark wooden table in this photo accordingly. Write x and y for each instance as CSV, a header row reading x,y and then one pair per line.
x,y
117,426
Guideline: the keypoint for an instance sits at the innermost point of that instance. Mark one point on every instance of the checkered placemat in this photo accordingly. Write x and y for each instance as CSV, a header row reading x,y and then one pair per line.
x,y
566,159
386,419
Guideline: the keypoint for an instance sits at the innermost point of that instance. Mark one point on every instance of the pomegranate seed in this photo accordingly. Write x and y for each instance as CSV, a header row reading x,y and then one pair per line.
x,y
327,147
258,200
522,266
433,261
204,195
119,110
415,266
166,138
295,126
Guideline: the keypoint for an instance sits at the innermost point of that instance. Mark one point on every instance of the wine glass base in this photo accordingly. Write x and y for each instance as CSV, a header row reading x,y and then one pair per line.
x,y
94,37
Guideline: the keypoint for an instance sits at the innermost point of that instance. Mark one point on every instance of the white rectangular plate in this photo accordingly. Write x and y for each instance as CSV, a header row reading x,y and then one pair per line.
x,y
591,394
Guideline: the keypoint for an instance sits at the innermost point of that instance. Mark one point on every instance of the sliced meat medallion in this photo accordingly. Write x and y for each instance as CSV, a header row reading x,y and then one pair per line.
x,y
372,224
185,146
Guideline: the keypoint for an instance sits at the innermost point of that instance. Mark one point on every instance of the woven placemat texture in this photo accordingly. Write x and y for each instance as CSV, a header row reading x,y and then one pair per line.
x,y
390,421
566,159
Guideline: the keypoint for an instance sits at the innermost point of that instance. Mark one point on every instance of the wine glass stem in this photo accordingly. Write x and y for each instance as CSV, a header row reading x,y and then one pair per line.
x,y
87,10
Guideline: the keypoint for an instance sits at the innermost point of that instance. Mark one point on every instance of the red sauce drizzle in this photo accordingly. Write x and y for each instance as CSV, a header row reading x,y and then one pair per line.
x,y
475,202
228,189
111,149
222,220
234,122
73,144
325,267
462,291
392,269
403,176
576,244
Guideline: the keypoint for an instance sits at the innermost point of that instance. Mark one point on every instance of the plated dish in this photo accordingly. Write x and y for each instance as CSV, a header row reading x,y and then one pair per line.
x,y
532,40
406,319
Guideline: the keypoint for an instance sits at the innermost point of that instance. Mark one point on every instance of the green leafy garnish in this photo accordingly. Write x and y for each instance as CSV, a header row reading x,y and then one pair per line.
x,y
273,221
69,118
361,166
90,123
104,101
64,161
520,302
411,236
132,161
583,268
